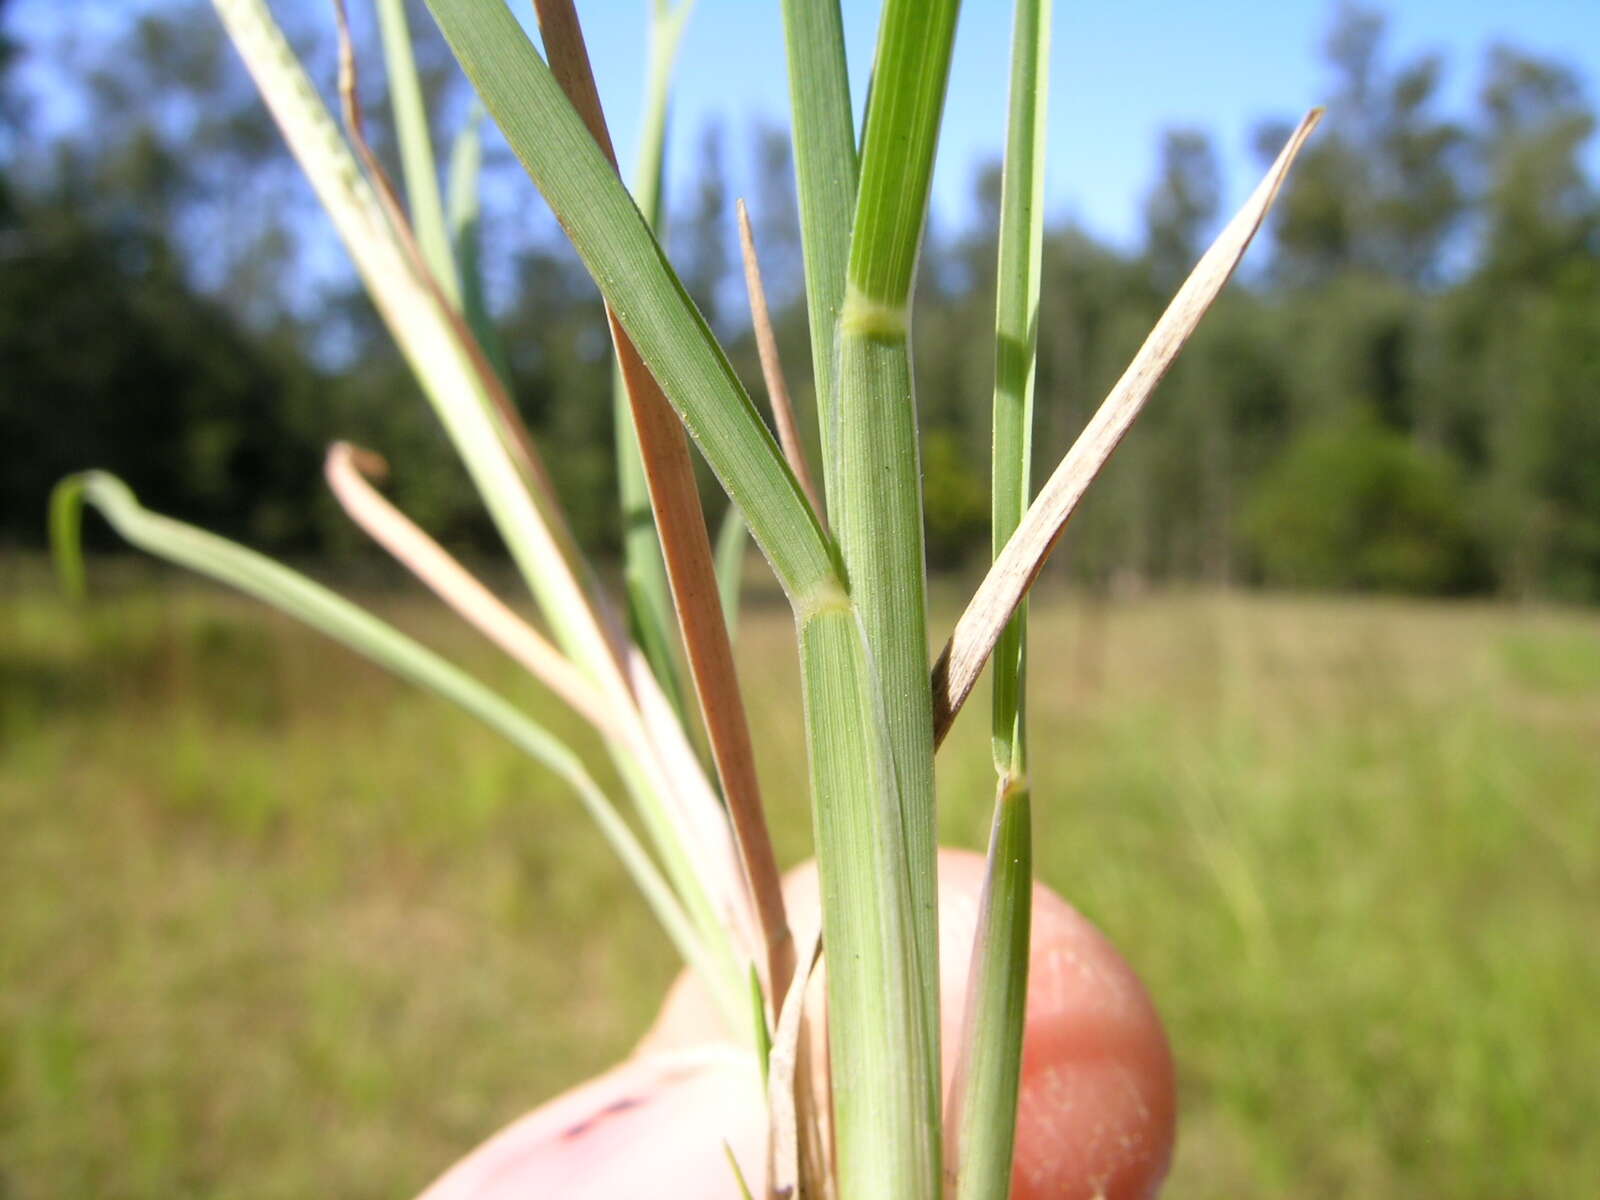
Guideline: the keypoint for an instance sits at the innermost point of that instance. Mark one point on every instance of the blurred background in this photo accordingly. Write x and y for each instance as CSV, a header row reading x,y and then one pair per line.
x,y
1317,694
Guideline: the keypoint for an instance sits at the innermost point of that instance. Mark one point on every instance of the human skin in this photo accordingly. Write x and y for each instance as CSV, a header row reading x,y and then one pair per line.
x,y
1096,1111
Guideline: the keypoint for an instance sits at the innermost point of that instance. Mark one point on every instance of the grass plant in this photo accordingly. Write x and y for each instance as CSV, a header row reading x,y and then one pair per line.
x,y
854,575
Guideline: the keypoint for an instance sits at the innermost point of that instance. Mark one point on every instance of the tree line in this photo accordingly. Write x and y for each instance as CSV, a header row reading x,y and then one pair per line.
x,y
1402,393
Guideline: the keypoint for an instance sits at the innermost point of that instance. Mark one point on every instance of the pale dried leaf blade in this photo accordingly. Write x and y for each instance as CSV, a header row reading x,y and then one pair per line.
x,y
451,582
783,1157
638,726
772,365
695,807
1019,563
321,609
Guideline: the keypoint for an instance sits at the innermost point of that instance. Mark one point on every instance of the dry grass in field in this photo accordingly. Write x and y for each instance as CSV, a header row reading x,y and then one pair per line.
x,y
274,925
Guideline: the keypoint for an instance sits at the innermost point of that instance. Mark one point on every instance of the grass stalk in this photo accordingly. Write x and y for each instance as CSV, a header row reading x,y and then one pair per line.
x,y
876,506
982,1122
982,1110
878,1021
1021,254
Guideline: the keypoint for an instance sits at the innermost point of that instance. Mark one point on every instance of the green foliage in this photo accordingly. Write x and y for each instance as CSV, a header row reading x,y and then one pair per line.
x,y
1353,844
1455,252
1360,507
955,499
112,357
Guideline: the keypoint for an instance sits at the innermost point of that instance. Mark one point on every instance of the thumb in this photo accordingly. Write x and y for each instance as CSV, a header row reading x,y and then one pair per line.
x,y
1096,1109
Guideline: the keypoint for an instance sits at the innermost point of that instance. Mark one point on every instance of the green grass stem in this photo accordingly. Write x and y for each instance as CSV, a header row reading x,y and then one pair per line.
x,y
982,1112
875,504
982,1124
417,163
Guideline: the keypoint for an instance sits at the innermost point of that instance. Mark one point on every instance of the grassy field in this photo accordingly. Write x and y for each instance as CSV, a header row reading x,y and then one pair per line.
x,y
274,926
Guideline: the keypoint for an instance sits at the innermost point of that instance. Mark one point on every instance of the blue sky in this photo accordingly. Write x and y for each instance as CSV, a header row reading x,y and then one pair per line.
x,y
1121,72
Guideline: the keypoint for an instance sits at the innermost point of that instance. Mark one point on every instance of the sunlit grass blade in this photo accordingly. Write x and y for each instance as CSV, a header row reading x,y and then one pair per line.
x,y
981,1126
758,1019
360,631
686,546
910,72
1019,564
650,303
462,215
416,148
826,167
738,1173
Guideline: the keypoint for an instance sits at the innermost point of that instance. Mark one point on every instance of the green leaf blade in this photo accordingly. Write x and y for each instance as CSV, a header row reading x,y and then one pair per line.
x,y
902,134
463,217
616,245
314,605
416,147
730,566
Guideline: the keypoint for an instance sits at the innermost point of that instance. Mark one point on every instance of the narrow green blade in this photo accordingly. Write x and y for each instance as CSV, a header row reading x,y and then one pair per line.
x,y
463,216
330,614
902,134
615,243
416,147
